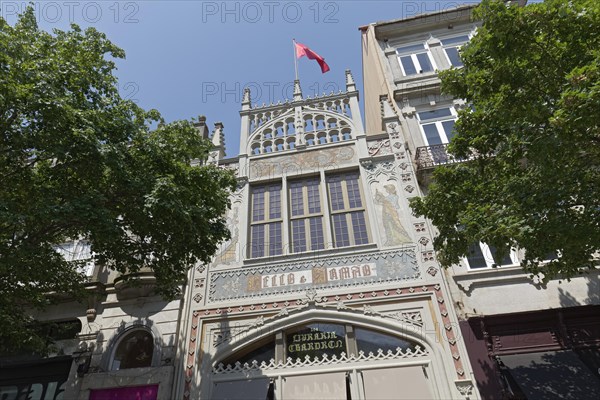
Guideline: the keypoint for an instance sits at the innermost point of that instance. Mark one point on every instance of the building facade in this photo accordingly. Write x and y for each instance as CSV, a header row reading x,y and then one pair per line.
x,y
525,339
328,288
119,343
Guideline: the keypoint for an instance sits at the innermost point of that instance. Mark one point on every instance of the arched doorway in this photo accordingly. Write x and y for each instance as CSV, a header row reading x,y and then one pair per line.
x,y
325,359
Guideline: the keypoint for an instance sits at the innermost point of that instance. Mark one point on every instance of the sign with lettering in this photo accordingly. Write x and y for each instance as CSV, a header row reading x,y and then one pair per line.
x,y
315,340
326,272
317,275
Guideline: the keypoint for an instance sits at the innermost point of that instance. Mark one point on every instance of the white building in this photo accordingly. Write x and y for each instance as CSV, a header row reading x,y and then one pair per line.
x,y
524,338
328,288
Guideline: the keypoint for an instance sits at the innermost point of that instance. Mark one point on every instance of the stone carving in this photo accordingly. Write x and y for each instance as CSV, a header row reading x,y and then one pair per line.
x,y
420,227
199,283
323,360
379,147
312,297
303,162
410,317
427,256
384,169
465,387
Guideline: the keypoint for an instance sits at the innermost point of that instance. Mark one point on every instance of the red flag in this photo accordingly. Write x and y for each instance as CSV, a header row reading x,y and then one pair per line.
x,y
302,50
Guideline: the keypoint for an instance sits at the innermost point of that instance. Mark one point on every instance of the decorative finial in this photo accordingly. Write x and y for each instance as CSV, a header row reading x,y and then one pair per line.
x,y
218,139
350,85
246,102
297,91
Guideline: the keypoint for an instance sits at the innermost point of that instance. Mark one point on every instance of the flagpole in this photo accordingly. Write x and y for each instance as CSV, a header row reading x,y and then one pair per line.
x,y
295,58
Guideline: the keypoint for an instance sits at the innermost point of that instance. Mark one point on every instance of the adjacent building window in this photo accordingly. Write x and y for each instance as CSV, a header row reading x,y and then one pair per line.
x,y
309,204
481,255
437,125
452,46
415,59
135,350
265,221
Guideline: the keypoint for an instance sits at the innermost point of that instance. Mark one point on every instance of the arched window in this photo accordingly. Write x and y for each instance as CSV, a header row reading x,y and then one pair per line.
x,y
135,350
359,362
321,338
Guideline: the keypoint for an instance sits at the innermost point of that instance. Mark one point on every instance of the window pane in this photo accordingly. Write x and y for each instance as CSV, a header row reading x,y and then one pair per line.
x,y
298,236
425,63
435,114
275,201
275,240
296,198
335,193
453,56
314,200
258,241
408,65
410,49
449,129
455,40
505,261
475,257
431,134
258,204
134,351
264,352
371,341
353,191
317,240
340,229
359,227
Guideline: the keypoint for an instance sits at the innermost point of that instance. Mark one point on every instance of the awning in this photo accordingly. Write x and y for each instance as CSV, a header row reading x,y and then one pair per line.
x,y
245,389
396,383
552,375
330,386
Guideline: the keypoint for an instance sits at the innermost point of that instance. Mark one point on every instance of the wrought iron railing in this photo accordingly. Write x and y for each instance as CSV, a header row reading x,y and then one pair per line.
x,y
428,157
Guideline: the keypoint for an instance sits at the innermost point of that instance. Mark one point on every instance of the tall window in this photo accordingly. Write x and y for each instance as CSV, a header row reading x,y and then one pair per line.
x,y
451,48
306,215
414,59
347,210
307,211
481,255
265,226
437,125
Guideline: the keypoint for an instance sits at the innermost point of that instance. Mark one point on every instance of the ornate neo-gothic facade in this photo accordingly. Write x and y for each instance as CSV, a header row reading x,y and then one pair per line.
x,y
328,288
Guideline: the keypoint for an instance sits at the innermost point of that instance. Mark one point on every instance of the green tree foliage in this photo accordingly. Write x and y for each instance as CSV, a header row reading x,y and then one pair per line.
x,y
532,76
79,161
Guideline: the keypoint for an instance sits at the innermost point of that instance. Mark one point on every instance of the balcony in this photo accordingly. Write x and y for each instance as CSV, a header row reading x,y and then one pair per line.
x,y
429,157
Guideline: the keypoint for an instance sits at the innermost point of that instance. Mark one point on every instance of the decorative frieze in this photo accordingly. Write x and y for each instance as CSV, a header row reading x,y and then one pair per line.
x,y
255,366
365,269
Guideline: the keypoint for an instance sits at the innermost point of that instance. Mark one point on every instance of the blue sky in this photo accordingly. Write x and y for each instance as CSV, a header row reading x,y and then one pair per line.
x,y
190,58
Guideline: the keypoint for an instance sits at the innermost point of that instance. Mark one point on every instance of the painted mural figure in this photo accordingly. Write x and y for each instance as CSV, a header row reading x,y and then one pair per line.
x,y
394,231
